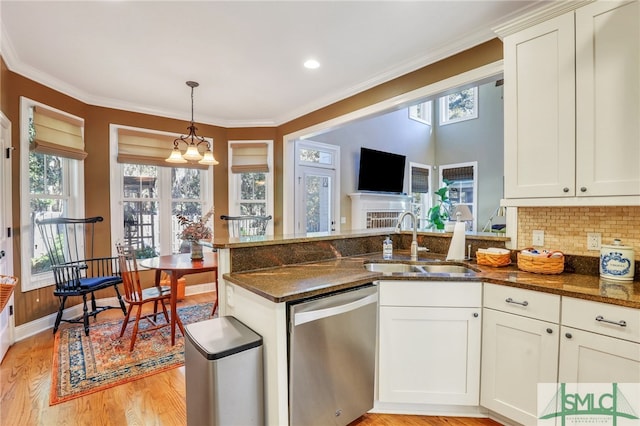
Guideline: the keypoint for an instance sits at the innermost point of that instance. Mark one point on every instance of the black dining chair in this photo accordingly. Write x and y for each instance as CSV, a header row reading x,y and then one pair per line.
x,y
76,272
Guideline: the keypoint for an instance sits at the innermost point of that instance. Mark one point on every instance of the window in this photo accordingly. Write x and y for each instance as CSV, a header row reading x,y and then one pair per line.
x,y
421,112
250,179
146,195
459,106
463,189
420,196
52,150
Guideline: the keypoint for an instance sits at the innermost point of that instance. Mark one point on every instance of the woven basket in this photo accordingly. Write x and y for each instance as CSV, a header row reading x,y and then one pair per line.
x,y
541,264
493,259
7,284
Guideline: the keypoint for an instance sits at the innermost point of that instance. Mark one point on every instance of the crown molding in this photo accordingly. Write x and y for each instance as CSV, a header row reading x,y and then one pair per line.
x,y
539,15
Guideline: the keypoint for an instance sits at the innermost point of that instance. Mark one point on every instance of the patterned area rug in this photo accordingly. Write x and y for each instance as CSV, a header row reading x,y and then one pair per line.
x,y
87,364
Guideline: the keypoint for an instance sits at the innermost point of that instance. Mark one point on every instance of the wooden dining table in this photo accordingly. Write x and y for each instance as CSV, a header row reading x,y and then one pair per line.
x,y
177,266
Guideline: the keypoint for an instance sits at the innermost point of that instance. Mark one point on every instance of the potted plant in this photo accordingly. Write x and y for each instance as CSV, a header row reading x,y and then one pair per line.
x,y
439,214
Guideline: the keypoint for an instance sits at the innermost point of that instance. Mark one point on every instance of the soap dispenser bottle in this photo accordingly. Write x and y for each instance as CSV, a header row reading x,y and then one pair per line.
x,y
387,248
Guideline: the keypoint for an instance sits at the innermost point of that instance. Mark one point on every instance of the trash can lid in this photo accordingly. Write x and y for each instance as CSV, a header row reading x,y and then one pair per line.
x,y
220,337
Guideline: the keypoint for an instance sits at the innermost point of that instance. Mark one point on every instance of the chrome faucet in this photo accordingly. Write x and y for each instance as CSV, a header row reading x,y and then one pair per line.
x,y
414,241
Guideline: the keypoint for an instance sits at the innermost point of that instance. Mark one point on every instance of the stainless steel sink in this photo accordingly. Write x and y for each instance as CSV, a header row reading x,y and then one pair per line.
x,y
390,267
420,269
446,269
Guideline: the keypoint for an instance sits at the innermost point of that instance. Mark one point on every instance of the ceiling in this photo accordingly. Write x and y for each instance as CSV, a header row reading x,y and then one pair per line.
x,y
247,56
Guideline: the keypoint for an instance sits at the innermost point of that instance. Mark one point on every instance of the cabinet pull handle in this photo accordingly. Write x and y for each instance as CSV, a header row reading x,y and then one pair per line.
x,y
621,323
476,315
549,330
510,300
583,189
565,189
568,335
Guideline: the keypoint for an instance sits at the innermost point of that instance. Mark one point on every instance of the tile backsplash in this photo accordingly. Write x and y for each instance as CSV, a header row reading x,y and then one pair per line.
x,y
566,228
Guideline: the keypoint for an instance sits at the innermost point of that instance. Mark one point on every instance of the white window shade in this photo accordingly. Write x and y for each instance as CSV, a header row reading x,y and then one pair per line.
x,y
58,134
140,147
249,158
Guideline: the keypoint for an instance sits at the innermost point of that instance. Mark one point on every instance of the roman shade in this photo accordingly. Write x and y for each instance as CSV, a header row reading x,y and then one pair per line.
x,y
458,173
419,180
249,157
57,134
140,147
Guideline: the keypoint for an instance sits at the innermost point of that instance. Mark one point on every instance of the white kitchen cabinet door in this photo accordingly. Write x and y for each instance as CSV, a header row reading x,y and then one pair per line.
x,y
539,109
608,99
587,357
517,354
429,355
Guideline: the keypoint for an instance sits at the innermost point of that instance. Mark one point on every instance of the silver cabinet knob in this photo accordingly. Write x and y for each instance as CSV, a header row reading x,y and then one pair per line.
x,y
565,189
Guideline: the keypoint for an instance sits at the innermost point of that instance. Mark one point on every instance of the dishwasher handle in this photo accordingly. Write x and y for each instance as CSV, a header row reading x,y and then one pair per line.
x,y
304,317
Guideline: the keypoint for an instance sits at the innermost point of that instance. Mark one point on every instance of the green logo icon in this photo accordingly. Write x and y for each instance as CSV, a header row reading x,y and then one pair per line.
x,y
590,401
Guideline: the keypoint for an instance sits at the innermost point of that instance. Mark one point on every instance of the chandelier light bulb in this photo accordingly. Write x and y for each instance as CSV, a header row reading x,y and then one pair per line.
x,y
192,153
175,157
208,159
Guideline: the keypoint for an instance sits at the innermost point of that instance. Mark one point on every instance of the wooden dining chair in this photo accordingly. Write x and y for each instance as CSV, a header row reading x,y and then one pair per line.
x,y
136,296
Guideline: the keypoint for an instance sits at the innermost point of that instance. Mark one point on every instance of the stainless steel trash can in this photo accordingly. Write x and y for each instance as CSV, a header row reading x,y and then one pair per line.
x,y
224,374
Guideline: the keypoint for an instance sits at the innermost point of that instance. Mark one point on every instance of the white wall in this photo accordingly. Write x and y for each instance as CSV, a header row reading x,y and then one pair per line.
x,y
480,140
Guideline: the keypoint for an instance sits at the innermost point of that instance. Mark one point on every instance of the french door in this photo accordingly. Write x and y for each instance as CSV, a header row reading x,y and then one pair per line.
x,y
316,180
6,252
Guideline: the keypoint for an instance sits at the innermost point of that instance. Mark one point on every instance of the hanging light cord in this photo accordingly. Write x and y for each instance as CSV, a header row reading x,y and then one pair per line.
x,y
192,128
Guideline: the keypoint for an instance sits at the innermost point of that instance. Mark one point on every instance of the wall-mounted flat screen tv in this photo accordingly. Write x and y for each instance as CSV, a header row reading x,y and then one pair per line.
x,y
381,171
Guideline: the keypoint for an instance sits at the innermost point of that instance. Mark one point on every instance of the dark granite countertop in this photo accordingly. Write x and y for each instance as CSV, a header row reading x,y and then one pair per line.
x,y
300,281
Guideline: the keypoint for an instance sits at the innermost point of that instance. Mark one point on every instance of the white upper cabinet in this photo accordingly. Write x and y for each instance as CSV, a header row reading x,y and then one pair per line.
x,y
572,108
539,108
608,99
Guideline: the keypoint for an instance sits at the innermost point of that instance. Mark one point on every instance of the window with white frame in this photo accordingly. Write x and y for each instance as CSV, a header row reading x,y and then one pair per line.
x,y
463,190
459,106
147,193
251,179
52,143
420,183
421,112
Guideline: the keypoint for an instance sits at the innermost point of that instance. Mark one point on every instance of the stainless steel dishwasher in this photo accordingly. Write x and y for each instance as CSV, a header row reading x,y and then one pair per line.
x,y
332,343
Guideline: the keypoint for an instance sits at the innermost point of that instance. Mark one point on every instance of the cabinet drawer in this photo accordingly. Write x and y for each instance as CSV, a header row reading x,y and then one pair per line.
x,y
430,293
602,318
529,303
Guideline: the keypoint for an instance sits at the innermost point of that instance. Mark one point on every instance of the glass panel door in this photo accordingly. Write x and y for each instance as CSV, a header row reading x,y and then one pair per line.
x,y
316,205
317,195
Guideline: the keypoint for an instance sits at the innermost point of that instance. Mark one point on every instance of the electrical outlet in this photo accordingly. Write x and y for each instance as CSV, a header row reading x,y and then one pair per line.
x,y
538,238
594,240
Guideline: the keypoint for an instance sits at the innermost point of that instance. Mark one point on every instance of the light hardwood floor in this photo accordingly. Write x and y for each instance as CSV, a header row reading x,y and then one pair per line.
x,y
25,381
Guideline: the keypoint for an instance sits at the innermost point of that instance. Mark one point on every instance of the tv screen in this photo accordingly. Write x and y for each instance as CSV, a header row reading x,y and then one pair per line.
x,y
381,171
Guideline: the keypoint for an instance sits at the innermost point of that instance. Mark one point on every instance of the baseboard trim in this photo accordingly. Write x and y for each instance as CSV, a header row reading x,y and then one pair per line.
x,y
429,409
39,325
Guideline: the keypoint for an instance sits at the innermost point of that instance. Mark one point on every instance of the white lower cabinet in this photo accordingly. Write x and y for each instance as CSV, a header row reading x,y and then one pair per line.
x,y
519,350
600,343
429,349
587,357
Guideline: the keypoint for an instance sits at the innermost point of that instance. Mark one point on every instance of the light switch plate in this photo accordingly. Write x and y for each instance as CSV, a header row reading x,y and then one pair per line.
x,y
538,238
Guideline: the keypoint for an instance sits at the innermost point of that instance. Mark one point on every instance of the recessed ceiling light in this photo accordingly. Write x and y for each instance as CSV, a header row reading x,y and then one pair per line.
x,y
312,64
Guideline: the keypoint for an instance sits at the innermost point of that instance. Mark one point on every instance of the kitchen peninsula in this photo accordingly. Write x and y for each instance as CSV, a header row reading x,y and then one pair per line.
x,y
259,277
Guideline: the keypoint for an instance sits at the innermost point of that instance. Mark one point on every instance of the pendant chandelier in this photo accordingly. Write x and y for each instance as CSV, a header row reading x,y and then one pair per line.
x,y
192,141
